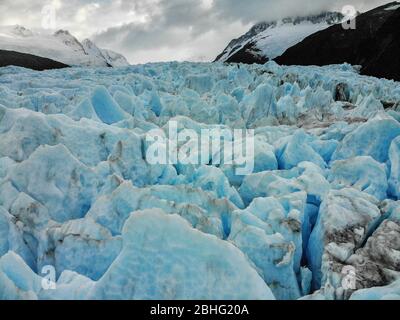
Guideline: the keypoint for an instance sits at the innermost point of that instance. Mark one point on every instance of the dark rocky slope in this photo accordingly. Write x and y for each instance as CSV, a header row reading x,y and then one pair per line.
x,y
12,58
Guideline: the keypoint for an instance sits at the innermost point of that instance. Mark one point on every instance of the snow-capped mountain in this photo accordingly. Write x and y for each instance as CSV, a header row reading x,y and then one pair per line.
x,y
374,44
60,46
267,40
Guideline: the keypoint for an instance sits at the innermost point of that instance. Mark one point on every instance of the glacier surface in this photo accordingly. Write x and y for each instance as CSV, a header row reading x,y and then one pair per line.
x,y
84,215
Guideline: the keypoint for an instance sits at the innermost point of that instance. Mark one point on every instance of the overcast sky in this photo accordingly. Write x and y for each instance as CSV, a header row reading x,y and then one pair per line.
x,y
163,30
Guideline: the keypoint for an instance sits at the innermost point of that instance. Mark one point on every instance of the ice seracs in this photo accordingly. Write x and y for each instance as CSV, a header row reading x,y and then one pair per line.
x,y
317,218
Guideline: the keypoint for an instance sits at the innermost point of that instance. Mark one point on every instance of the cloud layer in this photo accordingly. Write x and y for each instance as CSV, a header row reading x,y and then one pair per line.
x,y
161,30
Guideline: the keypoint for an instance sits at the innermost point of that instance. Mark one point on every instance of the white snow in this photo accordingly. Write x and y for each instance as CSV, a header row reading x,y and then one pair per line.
x,y
278,37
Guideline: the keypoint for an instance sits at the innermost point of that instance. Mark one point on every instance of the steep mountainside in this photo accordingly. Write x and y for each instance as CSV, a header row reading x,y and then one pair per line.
x,y
374,44
60,46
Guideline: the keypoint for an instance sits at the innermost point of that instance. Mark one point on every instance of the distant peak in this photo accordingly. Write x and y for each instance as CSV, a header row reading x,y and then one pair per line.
x,y
69,40
392,6
62,32
59,46
264,40
19,27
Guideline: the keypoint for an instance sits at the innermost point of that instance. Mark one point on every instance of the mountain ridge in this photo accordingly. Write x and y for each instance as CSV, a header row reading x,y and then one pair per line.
x,y
60,46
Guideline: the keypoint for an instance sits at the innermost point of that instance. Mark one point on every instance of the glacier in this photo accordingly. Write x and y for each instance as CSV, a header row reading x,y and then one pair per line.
x,y
78,195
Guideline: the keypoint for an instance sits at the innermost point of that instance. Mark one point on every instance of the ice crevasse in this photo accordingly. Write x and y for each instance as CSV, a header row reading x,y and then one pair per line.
x,y
317,218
